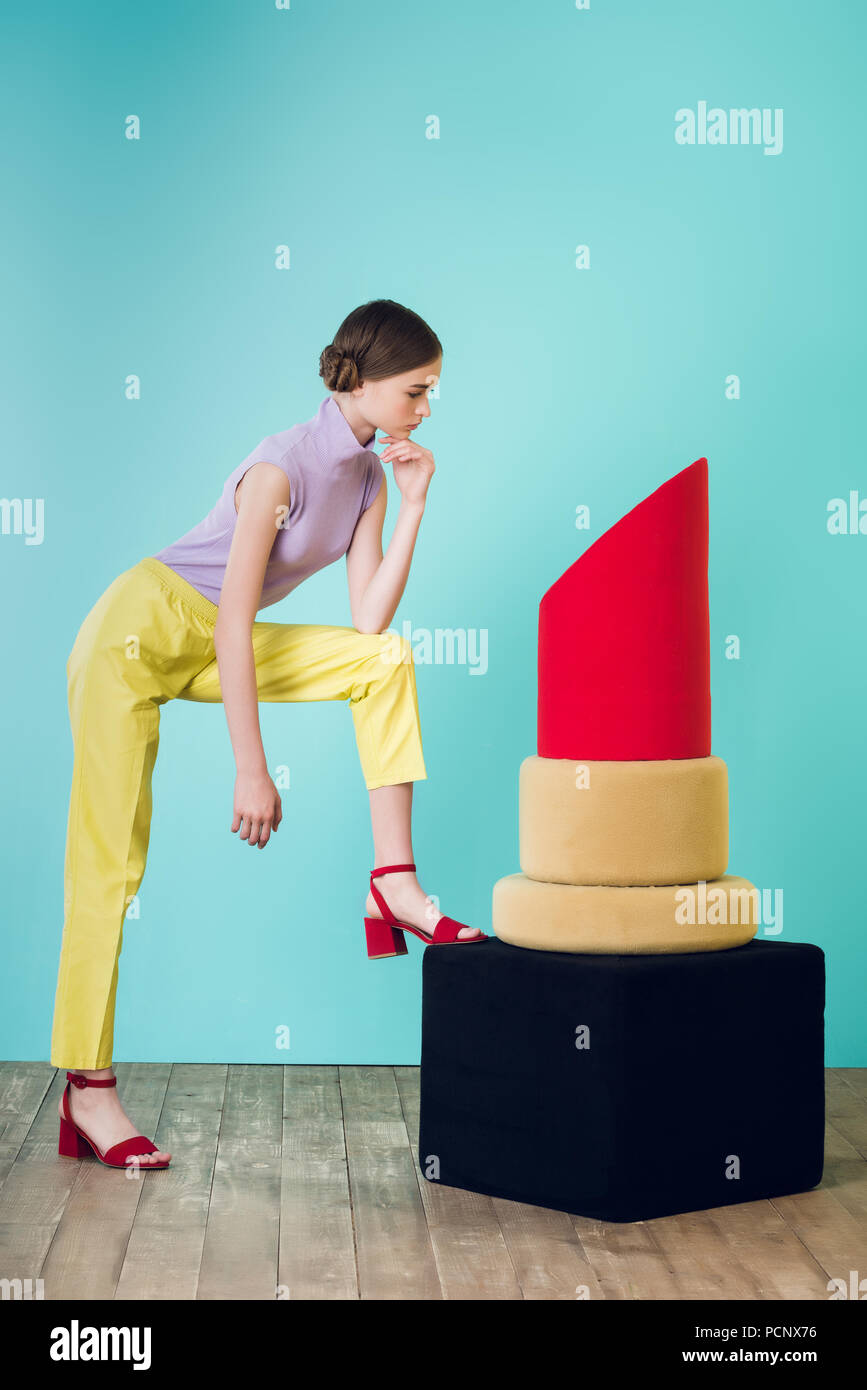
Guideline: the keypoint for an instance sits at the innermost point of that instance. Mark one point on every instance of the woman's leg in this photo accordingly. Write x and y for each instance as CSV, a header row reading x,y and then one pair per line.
x,y
391,820
375,672
118,676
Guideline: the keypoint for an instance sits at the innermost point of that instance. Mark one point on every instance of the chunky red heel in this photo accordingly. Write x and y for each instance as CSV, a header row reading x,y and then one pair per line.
x,y
383,939
71,1144
385,935
74,1143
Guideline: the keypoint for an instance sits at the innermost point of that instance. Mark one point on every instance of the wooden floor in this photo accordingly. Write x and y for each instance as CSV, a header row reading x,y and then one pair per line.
x,y
302,1182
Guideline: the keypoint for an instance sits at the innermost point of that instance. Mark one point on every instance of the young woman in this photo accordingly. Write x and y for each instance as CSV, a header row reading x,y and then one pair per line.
x,y
181,624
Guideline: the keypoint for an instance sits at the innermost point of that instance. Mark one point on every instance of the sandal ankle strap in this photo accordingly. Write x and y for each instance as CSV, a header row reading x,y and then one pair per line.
x,y
81,1081
391,869
387,914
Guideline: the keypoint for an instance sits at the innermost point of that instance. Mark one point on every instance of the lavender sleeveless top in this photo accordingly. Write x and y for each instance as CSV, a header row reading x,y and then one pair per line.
x,y
333,479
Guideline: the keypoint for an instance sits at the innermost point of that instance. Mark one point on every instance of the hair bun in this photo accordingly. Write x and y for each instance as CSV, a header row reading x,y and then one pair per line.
x,y
338,369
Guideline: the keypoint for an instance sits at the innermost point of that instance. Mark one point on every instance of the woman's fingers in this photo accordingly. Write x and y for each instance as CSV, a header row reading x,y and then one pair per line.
x,y
258,832
255,826
250,827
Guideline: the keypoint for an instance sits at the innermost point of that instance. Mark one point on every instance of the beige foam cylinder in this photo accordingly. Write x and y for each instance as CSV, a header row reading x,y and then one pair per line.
x,y
623,823
614,921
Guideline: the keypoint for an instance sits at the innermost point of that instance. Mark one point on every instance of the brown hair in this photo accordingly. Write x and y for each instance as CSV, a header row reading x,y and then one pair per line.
x,y
377,340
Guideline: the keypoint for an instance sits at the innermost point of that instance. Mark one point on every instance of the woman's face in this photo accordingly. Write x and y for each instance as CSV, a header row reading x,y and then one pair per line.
x,y
399,403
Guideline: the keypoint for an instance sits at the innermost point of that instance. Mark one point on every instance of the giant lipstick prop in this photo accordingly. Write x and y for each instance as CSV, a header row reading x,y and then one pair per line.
x,y
623,809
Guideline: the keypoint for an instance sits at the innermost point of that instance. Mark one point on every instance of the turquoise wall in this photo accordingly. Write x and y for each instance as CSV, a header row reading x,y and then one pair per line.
x,y
564,384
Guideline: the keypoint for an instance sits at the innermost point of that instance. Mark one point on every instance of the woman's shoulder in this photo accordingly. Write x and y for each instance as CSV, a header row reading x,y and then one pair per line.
x,y
259,477
280,449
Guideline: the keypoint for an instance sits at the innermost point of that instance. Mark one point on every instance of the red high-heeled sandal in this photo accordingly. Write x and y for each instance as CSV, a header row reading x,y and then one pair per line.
x,y
74,1143
385,934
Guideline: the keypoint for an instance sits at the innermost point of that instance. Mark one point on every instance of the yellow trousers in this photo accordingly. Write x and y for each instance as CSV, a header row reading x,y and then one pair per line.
x,y
149,639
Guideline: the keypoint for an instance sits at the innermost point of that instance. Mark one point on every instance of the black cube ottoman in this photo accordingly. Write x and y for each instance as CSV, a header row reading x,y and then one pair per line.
x,y
697,1080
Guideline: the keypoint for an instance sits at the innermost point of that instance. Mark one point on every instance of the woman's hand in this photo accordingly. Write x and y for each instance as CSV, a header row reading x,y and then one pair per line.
x,y
258,808
413,466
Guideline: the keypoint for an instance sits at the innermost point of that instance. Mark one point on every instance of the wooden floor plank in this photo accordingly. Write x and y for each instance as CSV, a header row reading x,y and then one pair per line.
x,y
831,1220
782,1266
395,1258
547,1252
317,1242
23,1248
624,1261
846,1109
239,1257
164,1252
23,1087
702,1263
853,1077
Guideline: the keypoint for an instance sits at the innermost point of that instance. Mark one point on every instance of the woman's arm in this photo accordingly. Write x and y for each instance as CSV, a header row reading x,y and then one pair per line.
x,y
264,502
376,583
